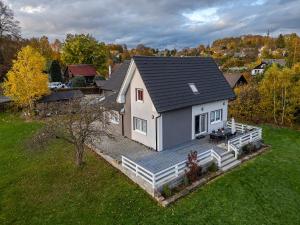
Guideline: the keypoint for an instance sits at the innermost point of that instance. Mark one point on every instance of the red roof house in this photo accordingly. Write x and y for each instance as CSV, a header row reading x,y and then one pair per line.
x,y
86,70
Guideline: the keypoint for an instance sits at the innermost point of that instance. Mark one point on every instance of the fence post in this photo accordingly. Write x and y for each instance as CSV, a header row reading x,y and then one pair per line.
x,y
153,181
136,170
176,170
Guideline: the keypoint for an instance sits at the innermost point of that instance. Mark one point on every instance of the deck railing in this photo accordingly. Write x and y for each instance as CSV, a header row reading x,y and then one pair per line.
x,y
249,134
160,178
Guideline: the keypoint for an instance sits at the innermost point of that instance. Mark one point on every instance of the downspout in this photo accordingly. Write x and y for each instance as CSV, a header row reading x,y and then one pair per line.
x,y
156,137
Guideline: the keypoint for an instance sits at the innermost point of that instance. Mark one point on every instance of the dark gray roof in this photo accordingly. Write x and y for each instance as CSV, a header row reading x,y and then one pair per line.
x,y
235,79
167,79
62,96
110,101
115,81
100,83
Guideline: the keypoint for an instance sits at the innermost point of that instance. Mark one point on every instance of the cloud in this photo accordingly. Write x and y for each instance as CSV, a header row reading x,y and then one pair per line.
x,y
157,23
32,10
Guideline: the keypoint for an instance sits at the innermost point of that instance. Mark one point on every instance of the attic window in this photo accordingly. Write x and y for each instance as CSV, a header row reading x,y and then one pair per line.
x,y
193,88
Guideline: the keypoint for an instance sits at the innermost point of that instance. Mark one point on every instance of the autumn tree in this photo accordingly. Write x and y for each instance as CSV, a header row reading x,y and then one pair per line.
x,y
246,106
79,124
279,90
85,49
42,45
293,46
25,81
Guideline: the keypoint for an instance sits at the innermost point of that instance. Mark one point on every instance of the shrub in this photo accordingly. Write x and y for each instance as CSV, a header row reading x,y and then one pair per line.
x,y
213,167
78,82
185,181
194,170
166,191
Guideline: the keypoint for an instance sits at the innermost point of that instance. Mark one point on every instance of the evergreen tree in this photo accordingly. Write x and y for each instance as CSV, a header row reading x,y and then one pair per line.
x,y
280,42
55,72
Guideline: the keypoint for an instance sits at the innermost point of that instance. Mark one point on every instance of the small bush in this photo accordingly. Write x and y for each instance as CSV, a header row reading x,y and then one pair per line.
x,y
194,170
213,167
166,191
78,82
185,181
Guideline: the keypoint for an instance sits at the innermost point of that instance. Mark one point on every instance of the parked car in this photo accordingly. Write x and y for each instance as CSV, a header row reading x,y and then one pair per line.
x,y
57,85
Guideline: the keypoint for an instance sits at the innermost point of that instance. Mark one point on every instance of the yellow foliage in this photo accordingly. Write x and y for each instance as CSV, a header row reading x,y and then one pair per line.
x,y
26,81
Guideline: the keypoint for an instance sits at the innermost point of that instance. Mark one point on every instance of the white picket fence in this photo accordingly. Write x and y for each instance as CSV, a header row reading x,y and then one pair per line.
x,y
249,134
160,178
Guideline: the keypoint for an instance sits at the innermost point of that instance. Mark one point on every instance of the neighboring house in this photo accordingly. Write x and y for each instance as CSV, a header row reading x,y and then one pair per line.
x,y
81,70
235,79
260,69
163,93
280,62
47,102
111,88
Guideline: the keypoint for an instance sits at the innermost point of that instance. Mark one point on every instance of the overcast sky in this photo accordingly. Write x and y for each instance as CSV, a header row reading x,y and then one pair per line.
x,y
157,23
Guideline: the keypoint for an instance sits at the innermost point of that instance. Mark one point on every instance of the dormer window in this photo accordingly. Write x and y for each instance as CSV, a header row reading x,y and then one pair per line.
x,y
193,88
139,95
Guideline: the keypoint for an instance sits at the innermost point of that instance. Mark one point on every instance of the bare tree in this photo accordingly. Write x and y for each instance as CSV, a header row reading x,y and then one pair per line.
x,y
8,25
76,122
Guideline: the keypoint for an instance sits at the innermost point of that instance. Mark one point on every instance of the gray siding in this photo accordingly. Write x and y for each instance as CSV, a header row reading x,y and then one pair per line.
x,y
127,115
177,127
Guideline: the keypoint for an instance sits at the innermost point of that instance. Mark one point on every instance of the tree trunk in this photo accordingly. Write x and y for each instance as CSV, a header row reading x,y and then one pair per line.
x,y
274,102
79,154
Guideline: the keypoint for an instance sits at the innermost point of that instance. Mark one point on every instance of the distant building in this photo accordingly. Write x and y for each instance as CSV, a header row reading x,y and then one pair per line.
x,y
81,70
260,69
235,79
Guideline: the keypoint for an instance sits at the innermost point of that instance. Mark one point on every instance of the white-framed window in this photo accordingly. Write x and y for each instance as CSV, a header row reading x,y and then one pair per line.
x,y
140,125
114,117
216,116
139,95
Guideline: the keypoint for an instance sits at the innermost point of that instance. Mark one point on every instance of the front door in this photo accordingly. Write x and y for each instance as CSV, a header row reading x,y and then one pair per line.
x,y
201,124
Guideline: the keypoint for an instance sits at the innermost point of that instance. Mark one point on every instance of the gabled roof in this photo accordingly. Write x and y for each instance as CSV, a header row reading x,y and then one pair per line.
x,y
85,70
234,78
116,79
62,96
261,66
167,80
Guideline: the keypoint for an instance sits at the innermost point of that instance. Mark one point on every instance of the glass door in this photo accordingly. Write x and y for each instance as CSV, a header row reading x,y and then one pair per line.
x,y
201,124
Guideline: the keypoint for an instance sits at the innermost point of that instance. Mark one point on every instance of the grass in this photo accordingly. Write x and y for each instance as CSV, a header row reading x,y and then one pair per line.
x,y
45,187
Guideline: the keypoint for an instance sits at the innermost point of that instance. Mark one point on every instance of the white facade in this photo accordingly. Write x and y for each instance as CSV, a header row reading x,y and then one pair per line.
x,y
206,109
257,71
143,110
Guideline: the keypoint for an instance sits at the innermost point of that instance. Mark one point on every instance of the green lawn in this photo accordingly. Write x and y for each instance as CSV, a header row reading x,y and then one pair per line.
x,y
45,187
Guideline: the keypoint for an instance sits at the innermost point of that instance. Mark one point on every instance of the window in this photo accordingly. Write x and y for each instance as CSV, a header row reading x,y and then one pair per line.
x,y
197,124
193,88
140,125
139,95
114,117
216,116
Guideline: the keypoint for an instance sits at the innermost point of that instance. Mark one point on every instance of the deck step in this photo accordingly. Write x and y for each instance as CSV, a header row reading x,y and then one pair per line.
x,y
226,153
231,165
228,161
227,156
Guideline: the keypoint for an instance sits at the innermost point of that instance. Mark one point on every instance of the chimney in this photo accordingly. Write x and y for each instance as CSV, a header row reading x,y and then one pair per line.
x,y
109,71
